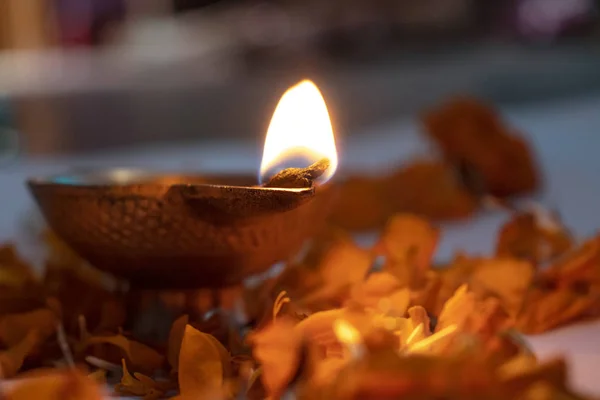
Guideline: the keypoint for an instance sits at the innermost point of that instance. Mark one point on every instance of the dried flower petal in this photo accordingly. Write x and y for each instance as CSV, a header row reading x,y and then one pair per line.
x,y
508,279
581,264
318,327
418,316
140,356
59,385
175,339
200,365
516,366
345,264
98,376
130,385
277,348
14,271
326,371
488,318
12,359
14,327
376,286
397,303
470,132
547,310
408,243
553,372
525,236
452,277
457,309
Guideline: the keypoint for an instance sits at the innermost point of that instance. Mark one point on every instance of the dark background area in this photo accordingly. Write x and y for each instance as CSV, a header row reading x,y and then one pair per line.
x,y
130,73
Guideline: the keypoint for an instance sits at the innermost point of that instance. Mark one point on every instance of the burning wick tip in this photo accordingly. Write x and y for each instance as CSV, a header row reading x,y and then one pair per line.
x,y
297,178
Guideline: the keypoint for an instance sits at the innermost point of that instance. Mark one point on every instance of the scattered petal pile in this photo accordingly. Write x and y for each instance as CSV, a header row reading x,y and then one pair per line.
x,y
339,321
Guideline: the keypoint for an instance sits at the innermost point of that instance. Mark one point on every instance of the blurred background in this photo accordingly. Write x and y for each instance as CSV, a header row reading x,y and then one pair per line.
x,y
81,76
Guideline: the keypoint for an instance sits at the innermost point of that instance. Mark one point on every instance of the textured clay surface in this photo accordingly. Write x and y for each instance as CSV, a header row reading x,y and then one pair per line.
x,y
162,235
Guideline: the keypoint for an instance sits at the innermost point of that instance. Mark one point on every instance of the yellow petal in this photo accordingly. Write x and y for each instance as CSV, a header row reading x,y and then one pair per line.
x,y
174,342
200,365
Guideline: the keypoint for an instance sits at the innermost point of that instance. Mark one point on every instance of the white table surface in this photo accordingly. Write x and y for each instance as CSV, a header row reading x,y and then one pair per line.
x,y
566,137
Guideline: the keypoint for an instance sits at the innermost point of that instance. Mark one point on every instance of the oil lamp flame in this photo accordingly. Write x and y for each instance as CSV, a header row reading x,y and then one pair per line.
x,y
300,129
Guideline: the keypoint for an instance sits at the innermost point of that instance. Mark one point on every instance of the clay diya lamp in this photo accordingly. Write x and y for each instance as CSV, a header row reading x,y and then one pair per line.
x,y
198,231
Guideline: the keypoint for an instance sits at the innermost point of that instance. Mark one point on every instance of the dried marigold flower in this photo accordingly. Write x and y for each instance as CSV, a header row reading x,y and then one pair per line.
x,y
431,190
524,236
470,132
